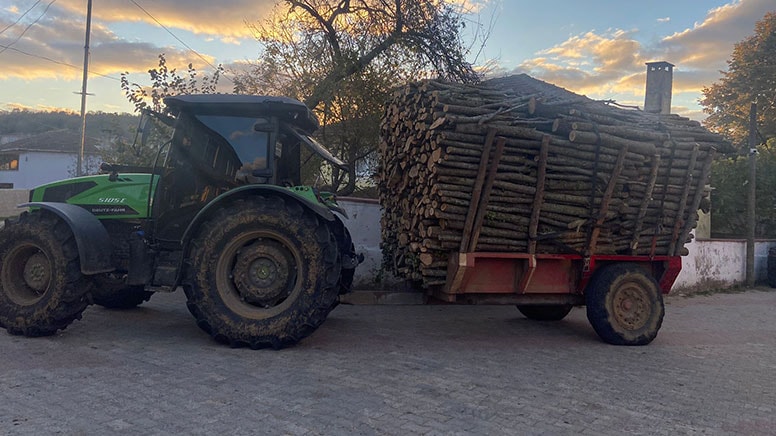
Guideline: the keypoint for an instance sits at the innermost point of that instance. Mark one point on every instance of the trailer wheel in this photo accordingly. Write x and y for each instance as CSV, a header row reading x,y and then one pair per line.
x,y
624,305
545,312
42,289
263,273
111,293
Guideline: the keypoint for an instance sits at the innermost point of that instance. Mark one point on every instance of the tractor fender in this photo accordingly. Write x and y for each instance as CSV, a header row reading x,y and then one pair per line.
x,y
250,190
94,246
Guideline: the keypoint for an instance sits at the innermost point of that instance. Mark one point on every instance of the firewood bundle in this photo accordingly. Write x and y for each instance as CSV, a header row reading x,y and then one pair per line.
x,y
519,165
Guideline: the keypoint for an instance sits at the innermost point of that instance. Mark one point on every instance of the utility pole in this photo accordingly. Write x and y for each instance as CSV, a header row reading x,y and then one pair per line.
x,y
79,171
751,199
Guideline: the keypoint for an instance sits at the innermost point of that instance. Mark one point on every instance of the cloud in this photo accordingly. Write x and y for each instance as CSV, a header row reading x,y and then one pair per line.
x,y
11,106
470,6
53,48
225,18
664,20
602,64
589,63
708,44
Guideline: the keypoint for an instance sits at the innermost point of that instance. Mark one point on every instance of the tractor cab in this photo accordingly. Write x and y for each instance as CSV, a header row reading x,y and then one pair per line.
x,y
221,142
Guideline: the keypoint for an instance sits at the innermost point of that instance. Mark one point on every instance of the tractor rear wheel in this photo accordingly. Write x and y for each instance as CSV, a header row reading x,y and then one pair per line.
x,y
42,289
111,293
545,312
624,305
263,272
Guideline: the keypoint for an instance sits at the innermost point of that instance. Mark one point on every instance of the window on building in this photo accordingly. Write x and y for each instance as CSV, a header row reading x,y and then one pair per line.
x,y
9,162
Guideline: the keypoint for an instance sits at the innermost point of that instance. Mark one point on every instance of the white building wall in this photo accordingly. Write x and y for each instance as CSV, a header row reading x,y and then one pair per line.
x,y
37,168
713,263
721,262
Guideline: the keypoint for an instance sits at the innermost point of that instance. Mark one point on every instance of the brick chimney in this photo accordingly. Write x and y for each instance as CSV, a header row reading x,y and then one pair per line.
x,y
659,83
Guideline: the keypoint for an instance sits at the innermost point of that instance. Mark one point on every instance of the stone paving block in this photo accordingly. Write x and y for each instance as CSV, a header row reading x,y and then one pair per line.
x,y
377,370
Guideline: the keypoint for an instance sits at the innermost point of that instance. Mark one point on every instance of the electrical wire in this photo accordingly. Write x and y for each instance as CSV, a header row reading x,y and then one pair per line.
x,y
20,17
175,36
56,62
6,47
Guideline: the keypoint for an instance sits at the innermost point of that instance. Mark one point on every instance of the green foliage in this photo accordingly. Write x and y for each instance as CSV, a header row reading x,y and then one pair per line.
x,y
751,76
729,179
99,125
166,82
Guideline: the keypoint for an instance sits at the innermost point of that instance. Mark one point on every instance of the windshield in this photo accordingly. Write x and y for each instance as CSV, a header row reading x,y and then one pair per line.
x,y
250,146
318,148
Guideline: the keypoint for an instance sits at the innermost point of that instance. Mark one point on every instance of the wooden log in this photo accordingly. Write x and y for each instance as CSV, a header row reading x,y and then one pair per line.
x,y
477,191
645,202
606,139
702,180
485,198
539,195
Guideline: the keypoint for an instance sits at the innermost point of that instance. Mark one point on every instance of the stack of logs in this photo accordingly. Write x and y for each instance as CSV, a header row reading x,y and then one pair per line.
x,y
519,165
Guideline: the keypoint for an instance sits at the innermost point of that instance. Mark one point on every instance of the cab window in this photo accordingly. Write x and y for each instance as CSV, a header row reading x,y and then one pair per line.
x,y
250,145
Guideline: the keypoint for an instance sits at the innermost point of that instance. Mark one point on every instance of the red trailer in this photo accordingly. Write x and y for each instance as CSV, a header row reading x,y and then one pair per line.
x,y
623,294
516,191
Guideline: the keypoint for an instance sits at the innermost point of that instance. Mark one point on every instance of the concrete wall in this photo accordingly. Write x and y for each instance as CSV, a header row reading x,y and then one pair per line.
x,y
9,198
721,262
364,225
711,262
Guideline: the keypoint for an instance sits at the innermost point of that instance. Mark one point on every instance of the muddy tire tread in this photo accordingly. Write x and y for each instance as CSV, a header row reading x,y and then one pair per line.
x,y
211,314
60,306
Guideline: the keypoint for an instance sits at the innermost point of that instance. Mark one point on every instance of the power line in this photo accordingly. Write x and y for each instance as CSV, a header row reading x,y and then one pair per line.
x,y
28,27
4,47
20,17
175,36
8,47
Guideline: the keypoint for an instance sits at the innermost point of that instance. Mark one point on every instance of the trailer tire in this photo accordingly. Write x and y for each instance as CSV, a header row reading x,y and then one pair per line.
x,y
262,272
42,289
624,305
112,293
545,312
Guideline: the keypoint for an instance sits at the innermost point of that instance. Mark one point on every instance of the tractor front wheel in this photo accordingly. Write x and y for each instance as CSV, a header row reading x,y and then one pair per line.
x,y
42,289
263,272
624,305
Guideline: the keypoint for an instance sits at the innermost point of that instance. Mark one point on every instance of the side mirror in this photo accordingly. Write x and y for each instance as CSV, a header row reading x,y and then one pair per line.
x,y
145,129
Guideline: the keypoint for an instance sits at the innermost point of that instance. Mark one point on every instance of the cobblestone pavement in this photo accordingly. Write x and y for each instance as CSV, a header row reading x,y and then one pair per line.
x,y
399,370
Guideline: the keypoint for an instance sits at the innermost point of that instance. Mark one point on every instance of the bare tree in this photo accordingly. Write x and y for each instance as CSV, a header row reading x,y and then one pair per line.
x,y
343,58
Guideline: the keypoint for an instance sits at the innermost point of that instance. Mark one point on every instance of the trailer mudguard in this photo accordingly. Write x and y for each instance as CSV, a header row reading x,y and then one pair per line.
x,y
94,246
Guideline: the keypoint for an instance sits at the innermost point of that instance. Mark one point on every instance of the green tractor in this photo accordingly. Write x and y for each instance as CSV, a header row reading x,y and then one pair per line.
x,y
221,213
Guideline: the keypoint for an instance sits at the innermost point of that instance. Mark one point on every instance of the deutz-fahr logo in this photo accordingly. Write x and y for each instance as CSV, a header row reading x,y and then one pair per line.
x,y
112,200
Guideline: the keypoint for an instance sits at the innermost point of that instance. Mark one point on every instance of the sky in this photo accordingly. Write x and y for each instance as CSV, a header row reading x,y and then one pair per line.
x,y
597,48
